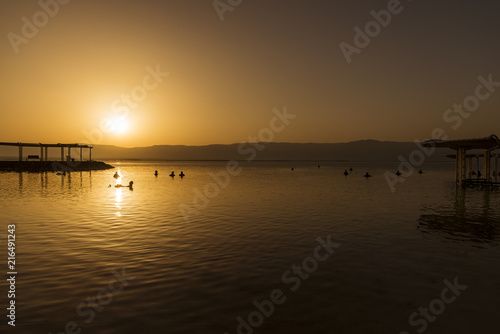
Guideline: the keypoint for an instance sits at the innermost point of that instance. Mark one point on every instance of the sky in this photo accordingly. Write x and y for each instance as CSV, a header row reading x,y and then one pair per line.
x,y
164,72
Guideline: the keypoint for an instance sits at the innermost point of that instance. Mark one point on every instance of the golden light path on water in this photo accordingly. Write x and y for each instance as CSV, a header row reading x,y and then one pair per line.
x,y
198,275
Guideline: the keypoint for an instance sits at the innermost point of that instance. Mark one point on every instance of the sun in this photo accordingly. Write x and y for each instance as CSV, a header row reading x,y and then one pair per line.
x,y
119,125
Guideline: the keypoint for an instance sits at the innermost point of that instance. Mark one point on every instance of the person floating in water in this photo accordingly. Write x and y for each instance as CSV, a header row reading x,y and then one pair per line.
x,y
172,174
116,175
319,166
350,169
156,173
130,185
367,175
182,174
398,173
478,174
346,173
292,168
420,172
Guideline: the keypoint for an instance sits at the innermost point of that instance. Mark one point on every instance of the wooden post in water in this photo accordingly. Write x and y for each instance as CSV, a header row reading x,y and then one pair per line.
x,y
46,153
62,153
41,153
487,163
20,152
496,167
469,169
461,165
81,153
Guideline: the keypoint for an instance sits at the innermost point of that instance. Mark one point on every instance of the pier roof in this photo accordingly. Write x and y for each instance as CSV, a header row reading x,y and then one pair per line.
x,y
486,143
44,145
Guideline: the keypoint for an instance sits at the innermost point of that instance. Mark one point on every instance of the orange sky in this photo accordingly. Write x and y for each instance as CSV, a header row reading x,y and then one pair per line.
x,y
225,77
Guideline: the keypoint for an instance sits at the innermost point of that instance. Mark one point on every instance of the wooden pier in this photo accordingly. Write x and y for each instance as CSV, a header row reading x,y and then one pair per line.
x,y
44,148
464,170
43,164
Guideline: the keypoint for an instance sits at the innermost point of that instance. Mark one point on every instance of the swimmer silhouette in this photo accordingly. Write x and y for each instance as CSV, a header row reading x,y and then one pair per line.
x,y
346,173
350,169
116,175
182,174
130,185
398,173
172,174
292,168
420,172
156,173
367,175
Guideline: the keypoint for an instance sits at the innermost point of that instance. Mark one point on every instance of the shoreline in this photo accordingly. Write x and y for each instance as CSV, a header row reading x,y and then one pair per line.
x,y
52,166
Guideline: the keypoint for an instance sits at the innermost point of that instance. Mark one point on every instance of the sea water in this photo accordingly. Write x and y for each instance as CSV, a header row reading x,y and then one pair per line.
x,y
266,249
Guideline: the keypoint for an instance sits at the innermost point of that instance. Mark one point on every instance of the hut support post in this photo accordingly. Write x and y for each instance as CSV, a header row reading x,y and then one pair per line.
x,y
20,152
81,153
487,164
469,169
477,164
496,167
62,153
461,165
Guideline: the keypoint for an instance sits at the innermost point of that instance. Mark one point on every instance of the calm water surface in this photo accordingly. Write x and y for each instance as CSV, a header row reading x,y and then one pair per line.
x,y
199,275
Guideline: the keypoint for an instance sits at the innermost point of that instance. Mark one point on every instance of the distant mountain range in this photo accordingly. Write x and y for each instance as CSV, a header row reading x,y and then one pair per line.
x,y
363,150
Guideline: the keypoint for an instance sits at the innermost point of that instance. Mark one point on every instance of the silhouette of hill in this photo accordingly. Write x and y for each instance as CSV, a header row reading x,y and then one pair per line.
x,y
362,150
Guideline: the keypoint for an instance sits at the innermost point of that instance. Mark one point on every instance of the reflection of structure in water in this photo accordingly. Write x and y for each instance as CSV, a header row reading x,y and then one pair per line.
x,y
47,180
470,218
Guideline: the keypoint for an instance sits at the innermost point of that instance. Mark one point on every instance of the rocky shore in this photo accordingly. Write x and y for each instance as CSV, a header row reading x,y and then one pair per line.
x,y
52,166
